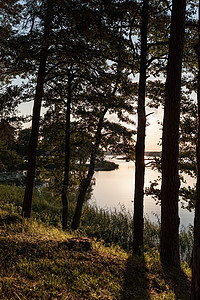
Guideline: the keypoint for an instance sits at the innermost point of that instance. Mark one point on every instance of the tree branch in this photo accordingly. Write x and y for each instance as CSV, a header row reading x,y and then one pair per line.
x,y
157,44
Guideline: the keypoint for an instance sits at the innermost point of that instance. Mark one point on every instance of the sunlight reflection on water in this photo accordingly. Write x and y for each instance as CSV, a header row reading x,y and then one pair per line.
x,y
115,188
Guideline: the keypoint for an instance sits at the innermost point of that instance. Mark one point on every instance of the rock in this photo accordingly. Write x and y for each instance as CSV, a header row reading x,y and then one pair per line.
x,y
78,244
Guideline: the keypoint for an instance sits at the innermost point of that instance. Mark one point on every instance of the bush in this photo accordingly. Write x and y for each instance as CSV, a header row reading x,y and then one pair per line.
x,y
113,227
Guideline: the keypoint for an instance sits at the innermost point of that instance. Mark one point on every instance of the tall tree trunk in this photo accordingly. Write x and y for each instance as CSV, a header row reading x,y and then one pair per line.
x,y
195,286
27,203
64,195
169,240
86,182
140,144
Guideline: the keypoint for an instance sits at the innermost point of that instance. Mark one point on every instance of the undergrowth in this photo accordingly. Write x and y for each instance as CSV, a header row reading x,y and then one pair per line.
x,y
112,227
37,261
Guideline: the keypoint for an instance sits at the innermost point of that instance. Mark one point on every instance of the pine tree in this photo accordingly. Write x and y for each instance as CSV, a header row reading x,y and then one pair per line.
x,y
195,285
27,203
140,144
169,243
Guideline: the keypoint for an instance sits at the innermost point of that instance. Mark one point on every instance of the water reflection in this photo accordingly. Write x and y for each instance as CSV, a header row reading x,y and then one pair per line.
x,y
115,188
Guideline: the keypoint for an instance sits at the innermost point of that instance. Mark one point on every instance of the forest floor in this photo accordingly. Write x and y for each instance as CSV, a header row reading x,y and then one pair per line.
x,y
42,262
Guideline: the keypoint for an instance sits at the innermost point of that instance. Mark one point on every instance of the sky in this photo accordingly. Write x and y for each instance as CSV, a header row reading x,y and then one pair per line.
x,y
153,131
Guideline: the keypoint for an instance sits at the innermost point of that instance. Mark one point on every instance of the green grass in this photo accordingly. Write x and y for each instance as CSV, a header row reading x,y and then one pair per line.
x,y
37,262
110,226
40,261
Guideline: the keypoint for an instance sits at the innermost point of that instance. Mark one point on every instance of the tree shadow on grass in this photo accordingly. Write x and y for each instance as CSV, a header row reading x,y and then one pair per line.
x,y
151,280
178,281
135,280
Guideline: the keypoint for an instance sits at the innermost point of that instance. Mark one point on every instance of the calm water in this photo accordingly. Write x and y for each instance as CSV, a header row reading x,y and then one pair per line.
x,y
115,188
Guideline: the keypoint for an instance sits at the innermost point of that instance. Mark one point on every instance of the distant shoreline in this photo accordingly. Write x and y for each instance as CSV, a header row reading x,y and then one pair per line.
x,y
147,153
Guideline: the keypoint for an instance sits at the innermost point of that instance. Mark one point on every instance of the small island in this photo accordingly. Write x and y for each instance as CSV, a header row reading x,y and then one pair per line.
x,y
106,166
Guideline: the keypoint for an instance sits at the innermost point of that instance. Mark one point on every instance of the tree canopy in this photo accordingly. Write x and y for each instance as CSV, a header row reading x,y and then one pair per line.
x,y
88,63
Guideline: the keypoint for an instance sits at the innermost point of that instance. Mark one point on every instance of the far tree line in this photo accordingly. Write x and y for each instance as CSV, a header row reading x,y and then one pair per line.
x,y
79,59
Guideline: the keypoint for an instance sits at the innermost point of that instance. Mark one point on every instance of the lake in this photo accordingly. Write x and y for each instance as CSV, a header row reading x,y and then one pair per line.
x,y
115,188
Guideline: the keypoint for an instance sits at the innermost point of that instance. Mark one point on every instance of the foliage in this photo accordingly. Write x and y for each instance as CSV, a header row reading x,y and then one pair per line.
x,y
9,159
98,88
187,149
37,262
99,43
186,244
7,132
110,227
10,98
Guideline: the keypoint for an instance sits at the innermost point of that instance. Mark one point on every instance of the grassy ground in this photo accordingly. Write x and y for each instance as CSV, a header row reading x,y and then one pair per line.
x,y
41,262
114,227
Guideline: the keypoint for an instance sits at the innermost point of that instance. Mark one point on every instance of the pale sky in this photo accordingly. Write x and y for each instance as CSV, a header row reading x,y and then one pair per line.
x,y
153,131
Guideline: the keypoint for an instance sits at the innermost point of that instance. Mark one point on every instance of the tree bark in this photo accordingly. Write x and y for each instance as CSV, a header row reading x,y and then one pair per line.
x,y
27,203
169,240
86,182
140,144
195,285
64,195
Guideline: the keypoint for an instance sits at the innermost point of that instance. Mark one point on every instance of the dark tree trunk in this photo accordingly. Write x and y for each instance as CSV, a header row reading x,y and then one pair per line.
x,y
64,195
86,182
140,144
169,241
27,203
195,286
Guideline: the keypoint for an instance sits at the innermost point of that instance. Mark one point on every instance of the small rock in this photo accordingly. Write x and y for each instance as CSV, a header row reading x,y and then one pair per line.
x,y
78,243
